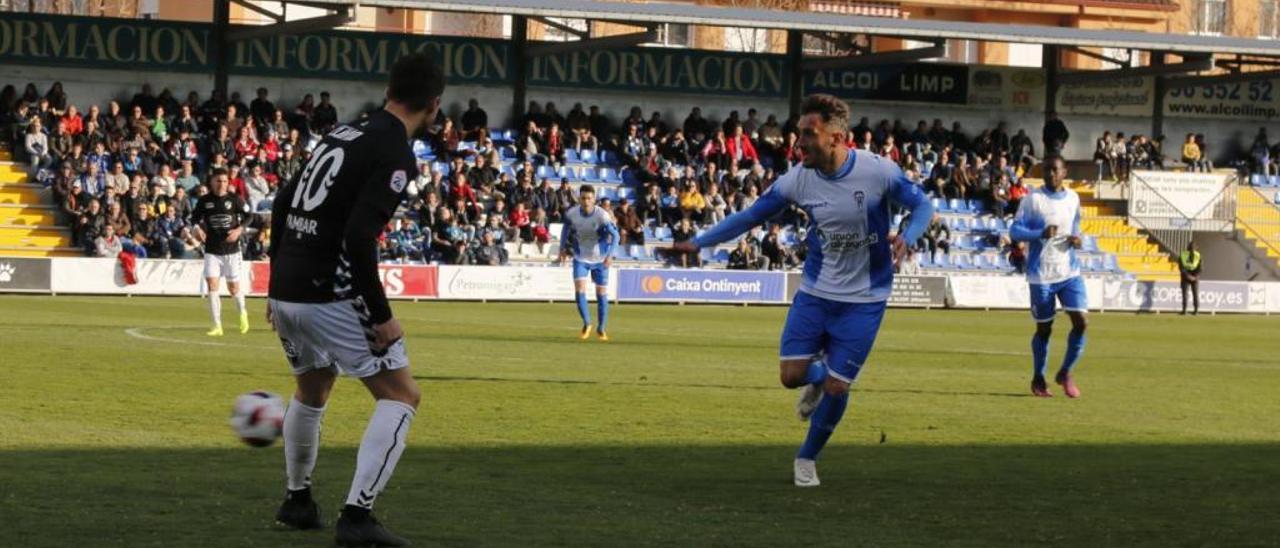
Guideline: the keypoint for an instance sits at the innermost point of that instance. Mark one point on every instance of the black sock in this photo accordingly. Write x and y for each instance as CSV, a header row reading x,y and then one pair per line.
x,y
301,495
355,513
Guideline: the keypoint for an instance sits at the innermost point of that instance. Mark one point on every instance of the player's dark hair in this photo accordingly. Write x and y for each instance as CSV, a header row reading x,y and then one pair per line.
x,y
834,111
416,79
1050,158
586,189
218,171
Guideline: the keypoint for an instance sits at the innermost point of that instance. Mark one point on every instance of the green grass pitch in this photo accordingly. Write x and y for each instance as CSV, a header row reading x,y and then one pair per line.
x,y
676,433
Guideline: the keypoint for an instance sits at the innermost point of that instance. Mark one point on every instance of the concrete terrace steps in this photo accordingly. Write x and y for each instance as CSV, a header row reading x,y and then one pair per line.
x,y
28,215
1134,251
1258,220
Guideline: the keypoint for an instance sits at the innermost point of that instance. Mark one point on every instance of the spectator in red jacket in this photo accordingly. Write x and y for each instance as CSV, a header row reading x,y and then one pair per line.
x,y
741,150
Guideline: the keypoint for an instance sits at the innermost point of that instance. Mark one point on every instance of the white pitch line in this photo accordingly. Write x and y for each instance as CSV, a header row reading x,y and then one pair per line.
x,y
137,333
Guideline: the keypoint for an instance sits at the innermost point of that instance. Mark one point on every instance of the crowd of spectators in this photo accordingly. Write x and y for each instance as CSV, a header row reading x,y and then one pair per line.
x,y
138,166
126,174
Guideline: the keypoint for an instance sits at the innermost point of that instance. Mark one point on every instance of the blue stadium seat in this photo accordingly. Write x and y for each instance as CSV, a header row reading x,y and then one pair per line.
x,y
662,234
1002,262
1111,264
975,205
589,174
1258,179
1277,199
588,157
610,175
608,158
546,172
571,156
610,193
997,224
507,152
1273,180
981,262
956,205
721,256
939,205
942,261
639,253
963,261
960,224
1090,244
648,233
627,192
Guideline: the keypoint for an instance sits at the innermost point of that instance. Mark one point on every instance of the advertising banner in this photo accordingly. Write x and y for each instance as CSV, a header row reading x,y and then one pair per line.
x,y
919,291
19,274
990,292
1133,96
1257,100
1006,88
400,281
701,285
155,277
509,283
1160,199
1167,296
675,70
915,83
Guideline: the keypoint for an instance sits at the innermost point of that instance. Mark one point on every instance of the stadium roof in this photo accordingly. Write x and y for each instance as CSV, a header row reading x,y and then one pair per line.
x,y
658,12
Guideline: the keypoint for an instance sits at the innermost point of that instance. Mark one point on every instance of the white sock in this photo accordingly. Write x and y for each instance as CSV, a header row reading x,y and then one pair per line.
x,y
240,301
301,442
379,451
215,308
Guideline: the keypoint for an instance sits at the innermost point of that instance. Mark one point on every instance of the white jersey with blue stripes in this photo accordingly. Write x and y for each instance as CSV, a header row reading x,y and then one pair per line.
x,y
848,256
591,236
1054,259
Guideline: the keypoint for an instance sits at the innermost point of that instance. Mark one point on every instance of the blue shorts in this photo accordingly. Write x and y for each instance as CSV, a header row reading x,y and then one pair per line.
x,y
844,331
1071,293
597,271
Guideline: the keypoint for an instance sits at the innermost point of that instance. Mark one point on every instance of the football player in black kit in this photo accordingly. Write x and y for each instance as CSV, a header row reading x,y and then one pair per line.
x,y
327,303
220,218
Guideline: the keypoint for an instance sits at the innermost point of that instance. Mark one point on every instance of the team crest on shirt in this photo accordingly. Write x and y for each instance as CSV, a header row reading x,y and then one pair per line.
x,y
399,180
859,197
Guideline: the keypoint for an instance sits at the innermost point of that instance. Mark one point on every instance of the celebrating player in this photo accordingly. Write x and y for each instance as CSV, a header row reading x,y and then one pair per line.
x,y
590,235
848,272
1049,218
328,305
220,217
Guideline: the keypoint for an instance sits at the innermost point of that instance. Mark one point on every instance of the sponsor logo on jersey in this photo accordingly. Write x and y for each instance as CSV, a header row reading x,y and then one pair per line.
x,y
844,242
301,224
398,181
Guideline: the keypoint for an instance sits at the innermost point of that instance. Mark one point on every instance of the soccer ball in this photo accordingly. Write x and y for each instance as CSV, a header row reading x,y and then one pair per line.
x,y
257,418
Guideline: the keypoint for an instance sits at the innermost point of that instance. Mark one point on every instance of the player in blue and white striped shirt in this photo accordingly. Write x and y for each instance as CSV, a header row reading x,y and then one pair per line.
x,y
591,236
848,270
1049,221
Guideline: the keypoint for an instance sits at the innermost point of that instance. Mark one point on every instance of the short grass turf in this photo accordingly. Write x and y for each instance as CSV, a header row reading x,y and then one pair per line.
x,y
113,432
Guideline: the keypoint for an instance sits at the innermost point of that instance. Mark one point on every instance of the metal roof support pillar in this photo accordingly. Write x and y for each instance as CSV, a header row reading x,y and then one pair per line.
x,y
1050,60
795,80
221,46
519,84
1157,109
